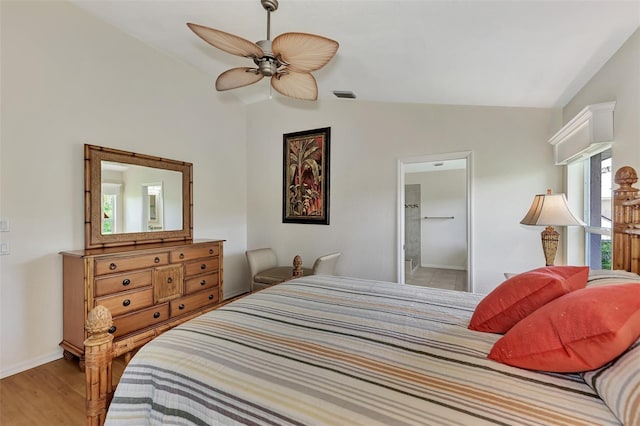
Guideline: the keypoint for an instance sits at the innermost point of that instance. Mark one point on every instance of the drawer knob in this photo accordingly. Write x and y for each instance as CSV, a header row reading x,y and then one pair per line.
x,y
203,266
112,329
112,266
203,282
156,260
169,280
210,251
126,282
126,302
211,297
156,315
181,256
181,306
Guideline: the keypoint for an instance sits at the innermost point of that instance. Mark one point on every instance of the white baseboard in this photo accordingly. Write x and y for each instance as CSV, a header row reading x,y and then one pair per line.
x,y
32,363
235,293
457,268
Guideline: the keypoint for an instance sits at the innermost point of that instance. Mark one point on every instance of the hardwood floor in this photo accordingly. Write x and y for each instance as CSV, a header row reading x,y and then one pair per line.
x,y
52,394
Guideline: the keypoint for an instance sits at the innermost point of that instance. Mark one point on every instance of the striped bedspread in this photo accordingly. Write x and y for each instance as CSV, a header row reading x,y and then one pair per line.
x,y
324,350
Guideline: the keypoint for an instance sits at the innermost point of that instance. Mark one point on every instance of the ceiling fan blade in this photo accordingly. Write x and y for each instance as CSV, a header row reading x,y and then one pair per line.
x,y
237,77
299,85
304,52
228,42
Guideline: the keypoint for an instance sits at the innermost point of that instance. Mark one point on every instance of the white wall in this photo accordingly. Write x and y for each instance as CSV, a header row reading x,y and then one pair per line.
x,y
512,163
443,241
69,79
618,80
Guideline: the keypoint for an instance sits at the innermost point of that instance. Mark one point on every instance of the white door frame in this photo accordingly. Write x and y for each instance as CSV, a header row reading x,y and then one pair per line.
x,y
402,162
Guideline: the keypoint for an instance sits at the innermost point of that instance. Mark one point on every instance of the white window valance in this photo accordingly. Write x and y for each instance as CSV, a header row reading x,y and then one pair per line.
x,y
587,133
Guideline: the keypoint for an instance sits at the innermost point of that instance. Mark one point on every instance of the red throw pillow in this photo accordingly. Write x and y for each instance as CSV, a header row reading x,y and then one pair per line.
x,y
578,332
522,294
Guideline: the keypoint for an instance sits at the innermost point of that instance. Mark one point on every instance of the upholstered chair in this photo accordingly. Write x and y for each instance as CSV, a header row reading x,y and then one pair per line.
x,y
325,265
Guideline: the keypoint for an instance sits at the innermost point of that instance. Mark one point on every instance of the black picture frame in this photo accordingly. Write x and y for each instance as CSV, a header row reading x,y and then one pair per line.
x,y
305,176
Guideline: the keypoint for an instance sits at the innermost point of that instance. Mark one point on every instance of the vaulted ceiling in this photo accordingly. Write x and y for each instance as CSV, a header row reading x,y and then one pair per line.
x,y
499,53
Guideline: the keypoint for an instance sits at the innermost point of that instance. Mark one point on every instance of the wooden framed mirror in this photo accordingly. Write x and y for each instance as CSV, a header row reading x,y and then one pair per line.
x,y
134,198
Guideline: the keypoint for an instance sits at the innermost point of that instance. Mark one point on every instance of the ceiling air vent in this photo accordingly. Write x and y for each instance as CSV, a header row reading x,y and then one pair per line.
x,y
346,94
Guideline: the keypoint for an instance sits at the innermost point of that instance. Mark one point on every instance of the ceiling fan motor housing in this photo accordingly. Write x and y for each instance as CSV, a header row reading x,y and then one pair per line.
x,y
268,64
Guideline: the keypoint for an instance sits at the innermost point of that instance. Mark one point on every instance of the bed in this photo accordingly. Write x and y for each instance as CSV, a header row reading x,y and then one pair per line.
x,y
328,350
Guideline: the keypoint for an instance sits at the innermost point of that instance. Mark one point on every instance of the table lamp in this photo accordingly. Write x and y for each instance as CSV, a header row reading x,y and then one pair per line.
x,y
550,210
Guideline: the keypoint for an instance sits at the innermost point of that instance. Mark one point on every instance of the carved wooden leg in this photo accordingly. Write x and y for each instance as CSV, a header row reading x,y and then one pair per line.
x,y
98,354
69,356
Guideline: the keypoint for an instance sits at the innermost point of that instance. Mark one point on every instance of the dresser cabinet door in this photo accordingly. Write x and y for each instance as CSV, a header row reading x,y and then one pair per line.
x,y
168,283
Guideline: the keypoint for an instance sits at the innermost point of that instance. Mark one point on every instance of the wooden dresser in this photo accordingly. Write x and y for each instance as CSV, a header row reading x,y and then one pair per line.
x,y
148,289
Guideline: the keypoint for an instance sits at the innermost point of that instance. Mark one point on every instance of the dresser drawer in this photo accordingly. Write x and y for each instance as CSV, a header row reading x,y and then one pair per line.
x,y
190,253
195,301
201,266
139,320
126,302
121,264
121,282
202,282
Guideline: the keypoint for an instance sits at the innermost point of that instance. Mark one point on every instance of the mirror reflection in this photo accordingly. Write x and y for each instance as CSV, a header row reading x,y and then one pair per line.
x,y
139,198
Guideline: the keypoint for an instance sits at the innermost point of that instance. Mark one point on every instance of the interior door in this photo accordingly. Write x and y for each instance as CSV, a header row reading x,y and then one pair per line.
x,y
444,231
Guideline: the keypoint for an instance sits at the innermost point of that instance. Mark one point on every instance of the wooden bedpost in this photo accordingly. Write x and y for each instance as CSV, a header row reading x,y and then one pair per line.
x,y
98,352
626,221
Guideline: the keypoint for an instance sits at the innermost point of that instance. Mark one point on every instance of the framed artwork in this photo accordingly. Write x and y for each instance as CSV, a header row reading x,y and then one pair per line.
x,y
305,189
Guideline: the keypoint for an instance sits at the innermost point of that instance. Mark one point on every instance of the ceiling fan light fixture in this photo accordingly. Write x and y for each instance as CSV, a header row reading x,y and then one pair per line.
x,y
268,67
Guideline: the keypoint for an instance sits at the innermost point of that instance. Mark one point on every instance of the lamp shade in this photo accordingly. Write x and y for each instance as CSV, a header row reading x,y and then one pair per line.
x,y
550,210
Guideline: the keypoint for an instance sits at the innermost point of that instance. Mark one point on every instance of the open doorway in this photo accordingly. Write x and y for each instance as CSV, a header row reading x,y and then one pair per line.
x,y
434,221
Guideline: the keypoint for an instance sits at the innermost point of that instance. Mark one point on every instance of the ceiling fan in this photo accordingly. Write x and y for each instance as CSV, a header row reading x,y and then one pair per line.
x,y
288,59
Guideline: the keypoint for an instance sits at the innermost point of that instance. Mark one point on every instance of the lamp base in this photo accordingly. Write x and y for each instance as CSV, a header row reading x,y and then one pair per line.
x,y
550,238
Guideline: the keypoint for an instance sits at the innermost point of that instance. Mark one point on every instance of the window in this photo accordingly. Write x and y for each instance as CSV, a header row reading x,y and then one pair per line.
x,y
590,182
